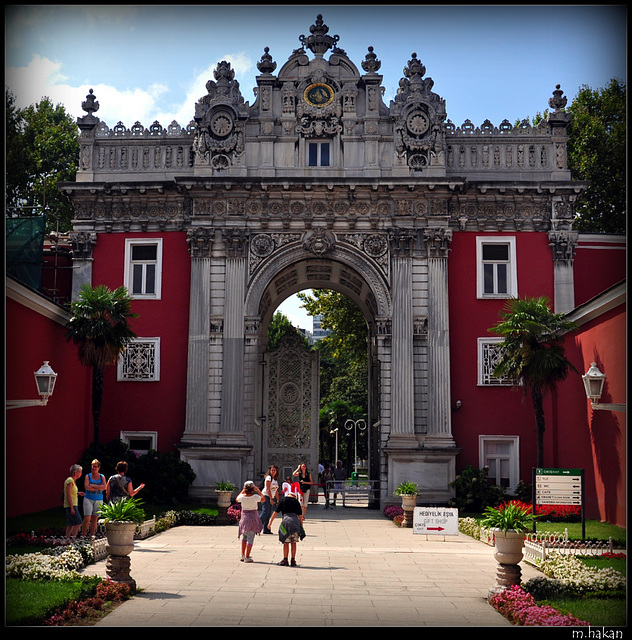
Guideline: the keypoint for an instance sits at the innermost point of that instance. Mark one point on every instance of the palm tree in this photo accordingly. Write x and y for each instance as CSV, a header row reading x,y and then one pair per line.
x,y
533,353
100,327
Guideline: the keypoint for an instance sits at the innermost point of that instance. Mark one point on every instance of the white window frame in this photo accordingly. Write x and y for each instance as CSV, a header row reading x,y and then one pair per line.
x,y
513,457
129,272
129,435
480,357
319,145
120,365
512,271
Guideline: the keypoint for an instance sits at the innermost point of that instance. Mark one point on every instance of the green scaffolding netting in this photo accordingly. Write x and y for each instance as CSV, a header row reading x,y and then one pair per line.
x,y
25,248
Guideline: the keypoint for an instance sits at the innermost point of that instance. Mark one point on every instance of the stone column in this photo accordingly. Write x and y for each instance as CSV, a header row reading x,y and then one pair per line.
x,y
402,373
197,422
82,246
439,418
563,242
232,419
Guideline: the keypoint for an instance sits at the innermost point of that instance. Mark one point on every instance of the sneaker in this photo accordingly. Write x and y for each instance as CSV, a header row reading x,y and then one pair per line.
x,y
248,559
242,558
293,562
284,563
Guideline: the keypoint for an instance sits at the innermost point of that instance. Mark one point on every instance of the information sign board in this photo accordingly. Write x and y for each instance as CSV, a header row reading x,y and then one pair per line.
x,y
558,486
436,521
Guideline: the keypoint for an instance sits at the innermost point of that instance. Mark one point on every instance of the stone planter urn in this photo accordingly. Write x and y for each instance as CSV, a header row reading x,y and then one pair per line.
x,y
224,498
120,539
409,502
508,553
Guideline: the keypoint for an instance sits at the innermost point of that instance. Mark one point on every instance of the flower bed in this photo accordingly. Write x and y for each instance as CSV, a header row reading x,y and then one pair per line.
x,y
579,578
520,608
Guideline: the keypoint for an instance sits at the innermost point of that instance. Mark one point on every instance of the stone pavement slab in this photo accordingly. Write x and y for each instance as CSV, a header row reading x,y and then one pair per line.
x,y
355,569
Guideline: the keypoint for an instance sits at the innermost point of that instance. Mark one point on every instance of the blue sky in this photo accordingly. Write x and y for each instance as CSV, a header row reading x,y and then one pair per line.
x,y
151,62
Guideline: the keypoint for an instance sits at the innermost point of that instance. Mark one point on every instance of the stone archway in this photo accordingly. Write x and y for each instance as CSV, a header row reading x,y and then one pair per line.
x,y
341,269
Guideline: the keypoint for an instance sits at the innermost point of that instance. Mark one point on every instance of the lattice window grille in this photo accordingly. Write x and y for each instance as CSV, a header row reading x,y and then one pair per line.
x,y
490,354
140,361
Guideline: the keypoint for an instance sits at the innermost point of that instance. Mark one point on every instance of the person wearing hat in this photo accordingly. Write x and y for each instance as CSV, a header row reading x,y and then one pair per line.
x,y
291,528
249,523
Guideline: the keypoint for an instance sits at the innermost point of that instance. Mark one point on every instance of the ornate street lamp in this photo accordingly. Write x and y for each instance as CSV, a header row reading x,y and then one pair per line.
x,y
45,379
355,425
594,381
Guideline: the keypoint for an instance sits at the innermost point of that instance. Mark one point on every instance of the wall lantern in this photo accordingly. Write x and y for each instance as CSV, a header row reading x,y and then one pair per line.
x,y
593,384
45,379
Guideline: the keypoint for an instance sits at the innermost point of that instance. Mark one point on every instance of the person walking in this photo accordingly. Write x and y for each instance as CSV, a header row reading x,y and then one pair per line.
x,y
249,523
71,502
328,482
340,476
270,496
120,485
291,528
94,485
306,481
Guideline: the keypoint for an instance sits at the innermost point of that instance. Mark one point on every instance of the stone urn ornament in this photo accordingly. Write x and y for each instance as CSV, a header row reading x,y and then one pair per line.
x,y
121,518
509,523
407,491
224,491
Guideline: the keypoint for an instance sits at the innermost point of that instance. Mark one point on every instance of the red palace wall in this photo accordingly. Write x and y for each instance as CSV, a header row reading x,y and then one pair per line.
x,y
42,442
490,410
150,406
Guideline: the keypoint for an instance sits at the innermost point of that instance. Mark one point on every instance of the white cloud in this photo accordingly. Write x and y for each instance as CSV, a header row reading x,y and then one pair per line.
x,y
43,77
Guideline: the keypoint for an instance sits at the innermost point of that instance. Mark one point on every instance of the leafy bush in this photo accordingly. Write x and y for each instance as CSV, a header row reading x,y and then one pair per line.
x,y
167,478
542,588
474,491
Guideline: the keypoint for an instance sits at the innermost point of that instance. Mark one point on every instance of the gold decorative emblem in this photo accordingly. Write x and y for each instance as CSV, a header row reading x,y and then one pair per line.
x,y
319,94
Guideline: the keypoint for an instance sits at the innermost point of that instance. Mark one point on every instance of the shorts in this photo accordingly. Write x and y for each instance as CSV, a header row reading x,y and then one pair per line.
x,y
73,520
91,507
248,537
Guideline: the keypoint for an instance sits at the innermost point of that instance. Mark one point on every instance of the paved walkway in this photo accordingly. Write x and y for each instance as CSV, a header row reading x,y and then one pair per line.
x,y
355,569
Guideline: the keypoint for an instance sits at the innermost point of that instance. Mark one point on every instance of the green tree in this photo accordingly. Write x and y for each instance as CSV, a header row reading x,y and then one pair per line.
x,y
279,326
532,352
100,327
42,150
597,152
343,317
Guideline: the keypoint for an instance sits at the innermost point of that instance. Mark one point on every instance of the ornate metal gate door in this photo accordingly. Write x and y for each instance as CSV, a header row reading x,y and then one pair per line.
x,y
291,403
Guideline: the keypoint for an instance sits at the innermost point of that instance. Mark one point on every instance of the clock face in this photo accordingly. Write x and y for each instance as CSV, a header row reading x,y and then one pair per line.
x,y
319,94
418,123
221,124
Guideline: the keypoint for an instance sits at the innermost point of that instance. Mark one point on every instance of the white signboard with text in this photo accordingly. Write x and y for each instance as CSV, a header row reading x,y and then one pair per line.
x,y
436,521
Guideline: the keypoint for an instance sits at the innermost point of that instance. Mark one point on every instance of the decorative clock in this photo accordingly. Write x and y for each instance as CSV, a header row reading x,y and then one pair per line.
x,y
319,94
418,123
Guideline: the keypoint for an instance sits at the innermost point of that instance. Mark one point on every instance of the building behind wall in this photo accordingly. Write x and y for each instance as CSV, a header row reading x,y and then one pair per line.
x,y
429,227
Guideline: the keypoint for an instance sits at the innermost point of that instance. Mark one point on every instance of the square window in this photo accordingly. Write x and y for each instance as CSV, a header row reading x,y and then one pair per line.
x,y
496,267
318,154
143,267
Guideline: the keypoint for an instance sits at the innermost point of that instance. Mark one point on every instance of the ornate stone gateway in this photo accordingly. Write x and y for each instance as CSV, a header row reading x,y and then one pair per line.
x,y
291,407
321,184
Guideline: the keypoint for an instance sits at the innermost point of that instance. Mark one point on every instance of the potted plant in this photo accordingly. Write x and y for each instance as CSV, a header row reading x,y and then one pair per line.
x,y
509,522
224,492
407,491
121,518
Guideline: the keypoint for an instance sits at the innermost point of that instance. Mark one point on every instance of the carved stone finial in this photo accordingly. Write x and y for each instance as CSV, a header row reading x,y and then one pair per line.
x,y
370,63
90,104
319,42
558,101
415,67
266,65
